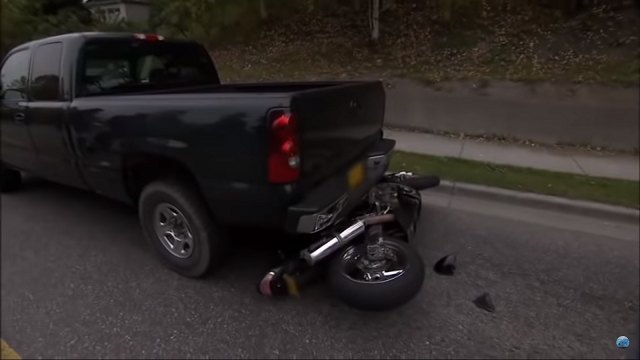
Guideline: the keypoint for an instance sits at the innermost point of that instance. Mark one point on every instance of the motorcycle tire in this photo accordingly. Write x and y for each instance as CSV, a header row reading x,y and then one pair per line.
x,y
350,285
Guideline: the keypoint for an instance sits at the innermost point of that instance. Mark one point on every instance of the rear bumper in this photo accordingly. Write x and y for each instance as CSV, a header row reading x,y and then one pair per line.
x,y
333,199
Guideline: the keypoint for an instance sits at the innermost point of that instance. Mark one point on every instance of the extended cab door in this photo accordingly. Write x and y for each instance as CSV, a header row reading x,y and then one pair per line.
x,y
17,146
47,115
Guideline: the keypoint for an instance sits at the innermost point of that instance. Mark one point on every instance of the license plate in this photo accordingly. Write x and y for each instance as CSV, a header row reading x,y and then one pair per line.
x,y
355,176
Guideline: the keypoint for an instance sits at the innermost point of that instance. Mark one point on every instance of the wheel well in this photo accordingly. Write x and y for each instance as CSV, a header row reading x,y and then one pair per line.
x,y
141,169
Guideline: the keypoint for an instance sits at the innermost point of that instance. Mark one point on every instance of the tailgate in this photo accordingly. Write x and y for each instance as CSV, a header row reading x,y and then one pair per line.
x,y
336,124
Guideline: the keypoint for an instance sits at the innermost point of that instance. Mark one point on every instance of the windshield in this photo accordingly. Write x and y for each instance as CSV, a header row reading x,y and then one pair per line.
x,y
114,65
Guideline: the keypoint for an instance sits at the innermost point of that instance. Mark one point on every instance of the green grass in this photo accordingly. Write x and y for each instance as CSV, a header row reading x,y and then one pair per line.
x,y
624,71
618,192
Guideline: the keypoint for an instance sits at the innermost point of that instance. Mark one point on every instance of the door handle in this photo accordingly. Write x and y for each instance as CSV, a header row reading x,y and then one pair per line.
x,y
18,117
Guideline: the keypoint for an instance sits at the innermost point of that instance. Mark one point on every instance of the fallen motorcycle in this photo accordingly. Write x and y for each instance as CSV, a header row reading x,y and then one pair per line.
x,y
366,256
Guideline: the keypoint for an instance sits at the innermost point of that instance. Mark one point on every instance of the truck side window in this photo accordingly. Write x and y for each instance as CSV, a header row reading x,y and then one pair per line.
x,y
45,75
13,76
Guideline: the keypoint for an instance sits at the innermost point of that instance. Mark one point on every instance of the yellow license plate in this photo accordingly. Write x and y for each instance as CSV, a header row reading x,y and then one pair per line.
x,y
355,176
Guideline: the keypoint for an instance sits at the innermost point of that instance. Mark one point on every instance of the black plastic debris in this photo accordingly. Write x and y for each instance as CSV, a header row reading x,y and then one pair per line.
x,y
484,302
446,265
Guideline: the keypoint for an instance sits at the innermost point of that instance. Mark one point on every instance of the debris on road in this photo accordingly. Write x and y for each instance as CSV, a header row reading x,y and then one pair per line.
x,y
446,265
485,303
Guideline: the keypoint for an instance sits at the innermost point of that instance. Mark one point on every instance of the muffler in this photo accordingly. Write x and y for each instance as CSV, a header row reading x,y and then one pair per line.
x,y
416,182
327,246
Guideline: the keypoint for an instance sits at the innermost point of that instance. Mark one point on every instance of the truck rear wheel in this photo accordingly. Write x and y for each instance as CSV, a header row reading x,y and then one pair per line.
x,y
179,227
10,179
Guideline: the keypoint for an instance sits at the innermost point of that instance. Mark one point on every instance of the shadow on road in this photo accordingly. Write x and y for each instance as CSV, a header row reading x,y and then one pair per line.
x,y
253,252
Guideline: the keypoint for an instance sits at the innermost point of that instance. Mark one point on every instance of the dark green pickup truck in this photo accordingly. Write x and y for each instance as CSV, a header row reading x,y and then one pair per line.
x,y
145,120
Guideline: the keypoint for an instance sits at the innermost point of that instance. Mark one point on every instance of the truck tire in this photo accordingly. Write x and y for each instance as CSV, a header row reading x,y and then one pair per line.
x,y
350,285
179,227
10,180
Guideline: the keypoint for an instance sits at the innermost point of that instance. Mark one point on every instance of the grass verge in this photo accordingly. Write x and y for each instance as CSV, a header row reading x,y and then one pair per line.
x,y
611,191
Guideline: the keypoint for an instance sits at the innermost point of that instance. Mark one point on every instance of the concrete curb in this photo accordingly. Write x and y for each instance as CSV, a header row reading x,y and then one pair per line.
x,y
544,202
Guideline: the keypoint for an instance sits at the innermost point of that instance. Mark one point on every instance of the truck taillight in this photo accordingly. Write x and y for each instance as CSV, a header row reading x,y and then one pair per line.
x,y
284,152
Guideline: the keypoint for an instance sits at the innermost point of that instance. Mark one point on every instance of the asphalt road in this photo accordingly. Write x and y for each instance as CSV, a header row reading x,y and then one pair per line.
x,y
79,282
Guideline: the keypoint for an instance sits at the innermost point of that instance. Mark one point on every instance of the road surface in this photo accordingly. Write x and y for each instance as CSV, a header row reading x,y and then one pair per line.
x,y
79,282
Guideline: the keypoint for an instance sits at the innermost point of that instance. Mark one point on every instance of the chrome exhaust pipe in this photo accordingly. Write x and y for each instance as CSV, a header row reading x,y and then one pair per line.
x,y
325,247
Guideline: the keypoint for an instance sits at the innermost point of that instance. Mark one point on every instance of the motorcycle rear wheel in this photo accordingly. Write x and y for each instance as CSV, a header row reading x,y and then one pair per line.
x,y
383,287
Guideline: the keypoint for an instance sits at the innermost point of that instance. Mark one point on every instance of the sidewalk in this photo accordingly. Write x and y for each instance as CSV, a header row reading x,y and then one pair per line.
x,y
569,161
